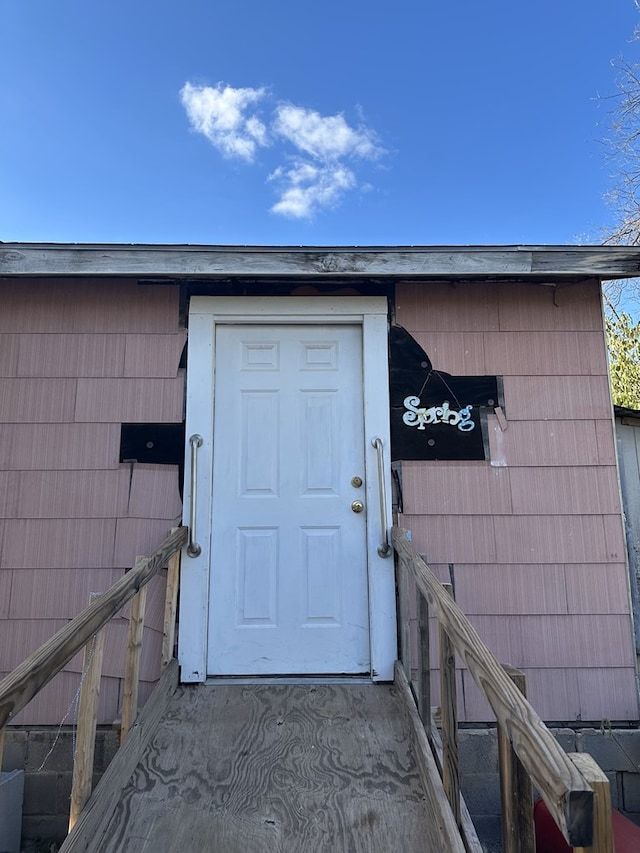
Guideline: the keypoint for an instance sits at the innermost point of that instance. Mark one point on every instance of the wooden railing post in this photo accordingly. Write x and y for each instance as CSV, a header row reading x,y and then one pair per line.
x,y
170,608
134,652
516,790
404,618
424,662
603,841
87,721
566,792
445,821
449,708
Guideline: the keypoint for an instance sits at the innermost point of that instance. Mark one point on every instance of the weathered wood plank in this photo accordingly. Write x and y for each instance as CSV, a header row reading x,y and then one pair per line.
x,y
132,663
20,686
283,768
603,841
468,830
404,617
449,707
424,663
446,824
516,790
87,720
566,793
393,261
89,829
170,607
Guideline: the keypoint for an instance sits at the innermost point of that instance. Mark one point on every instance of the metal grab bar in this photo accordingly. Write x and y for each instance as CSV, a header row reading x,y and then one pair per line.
x,y
193,549
385,549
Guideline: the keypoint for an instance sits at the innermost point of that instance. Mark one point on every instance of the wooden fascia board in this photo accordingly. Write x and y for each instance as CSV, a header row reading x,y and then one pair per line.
x,y
602,261
431,262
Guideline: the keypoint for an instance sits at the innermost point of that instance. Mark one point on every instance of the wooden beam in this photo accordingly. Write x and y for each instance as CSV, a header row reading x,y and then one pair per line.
x,y
87,720
170,607
516,790
439,805
449,711
404,618
20,686
468,830
132,663
603,840
424,662
396,262
95,816
567,794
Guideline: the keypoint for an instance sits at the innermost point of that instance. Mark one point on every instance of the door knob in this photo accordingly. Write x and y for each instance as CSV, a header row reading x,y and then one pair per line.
x,y
357,506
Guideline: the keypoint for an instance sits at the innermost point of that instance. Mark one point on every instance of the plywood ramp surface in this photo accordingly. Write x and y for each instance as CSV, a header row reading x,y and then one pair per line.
x,y
288,769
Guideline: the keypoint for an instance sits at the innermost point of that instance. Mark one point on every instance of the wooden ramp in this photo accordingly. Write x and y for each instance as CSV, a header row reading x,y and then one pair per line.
x,y
250,769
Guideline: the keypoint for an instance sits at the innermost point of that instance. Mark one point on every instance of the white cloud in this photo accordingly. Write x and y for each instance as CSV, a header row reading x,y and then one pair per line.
x,y
306,188
319,182
324,137
220,114
325,152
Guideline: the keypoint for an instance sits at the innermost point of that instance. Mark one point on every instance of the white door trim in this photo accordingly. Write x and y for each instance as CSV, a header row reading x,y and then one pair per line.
x,y
204,313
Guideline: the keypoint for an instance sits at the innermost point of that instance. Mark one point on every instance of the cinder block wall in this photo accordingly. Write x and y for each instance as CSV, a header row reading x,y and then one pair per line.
x,y
47,791
46,757
617,751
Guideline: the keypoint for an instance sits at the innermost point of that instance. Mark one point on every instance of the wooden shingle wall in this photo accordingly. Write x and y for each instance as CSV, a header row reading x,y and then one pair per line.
x,y
535,534
78,359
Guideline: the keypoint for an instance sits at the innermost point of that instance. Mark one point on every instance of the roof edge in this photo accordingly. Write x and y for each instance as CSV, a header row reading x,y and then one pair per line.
x,y
429,262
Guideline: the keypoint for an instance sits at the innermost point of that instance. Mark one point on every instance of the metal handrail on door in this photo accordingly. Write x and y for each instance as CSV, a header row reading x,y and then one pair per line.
x,y
193,549
385,549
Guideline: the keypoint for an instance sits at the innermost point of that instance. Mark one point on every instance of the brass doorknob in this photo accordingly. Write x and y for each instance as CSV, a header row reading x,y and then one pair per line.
x,y
357,506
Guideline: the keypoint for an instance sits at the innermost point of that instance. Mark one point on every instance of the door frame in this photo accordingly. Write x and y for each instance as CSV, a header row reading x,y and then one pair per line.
x,y
205,313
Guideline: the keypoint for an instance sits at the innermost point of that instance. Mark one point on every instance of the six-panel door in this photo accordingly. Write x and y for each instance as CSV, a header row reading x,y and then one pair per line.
x,y
288,583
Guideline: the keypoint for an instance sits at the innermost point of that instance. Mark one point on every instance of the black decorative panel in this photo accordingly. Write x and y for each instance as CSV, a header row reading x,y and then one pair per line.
x,y
434,415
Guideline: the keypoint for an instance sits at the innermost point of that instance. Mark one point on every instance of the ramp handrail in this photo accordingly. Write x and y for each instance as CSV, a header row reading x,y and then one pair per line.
x,y
86,629
20,686
565,790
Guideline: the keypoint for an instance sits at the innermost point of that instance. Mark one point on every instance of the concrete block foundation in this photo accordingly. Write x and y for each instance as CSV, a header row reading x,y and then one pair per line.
x,y
46,758
617,751
11,796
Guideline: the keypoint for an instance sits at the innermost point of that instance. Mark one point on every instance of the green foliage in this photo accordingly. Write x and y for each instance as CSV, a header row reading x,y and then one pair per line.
x,y
623,344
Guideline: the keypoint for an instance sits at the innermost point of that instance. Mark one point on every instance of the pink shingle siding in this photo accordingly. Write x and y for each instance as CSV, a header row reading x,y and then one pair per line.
x,y
127,400
71,355
557,397
37,400
9,354
153,355
535,534
77,359
65,592
542,443
63,447
55,700
96,306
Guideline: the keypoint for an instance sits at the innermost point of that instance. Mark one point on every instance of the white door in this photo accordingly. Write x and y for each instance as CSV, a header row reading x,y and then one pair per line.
x,y
281,576
288,558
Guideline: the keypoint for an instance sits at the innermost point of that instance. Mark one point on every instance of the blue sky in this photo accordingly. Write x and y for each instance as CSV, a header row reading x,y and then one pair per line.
x,y
308,123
